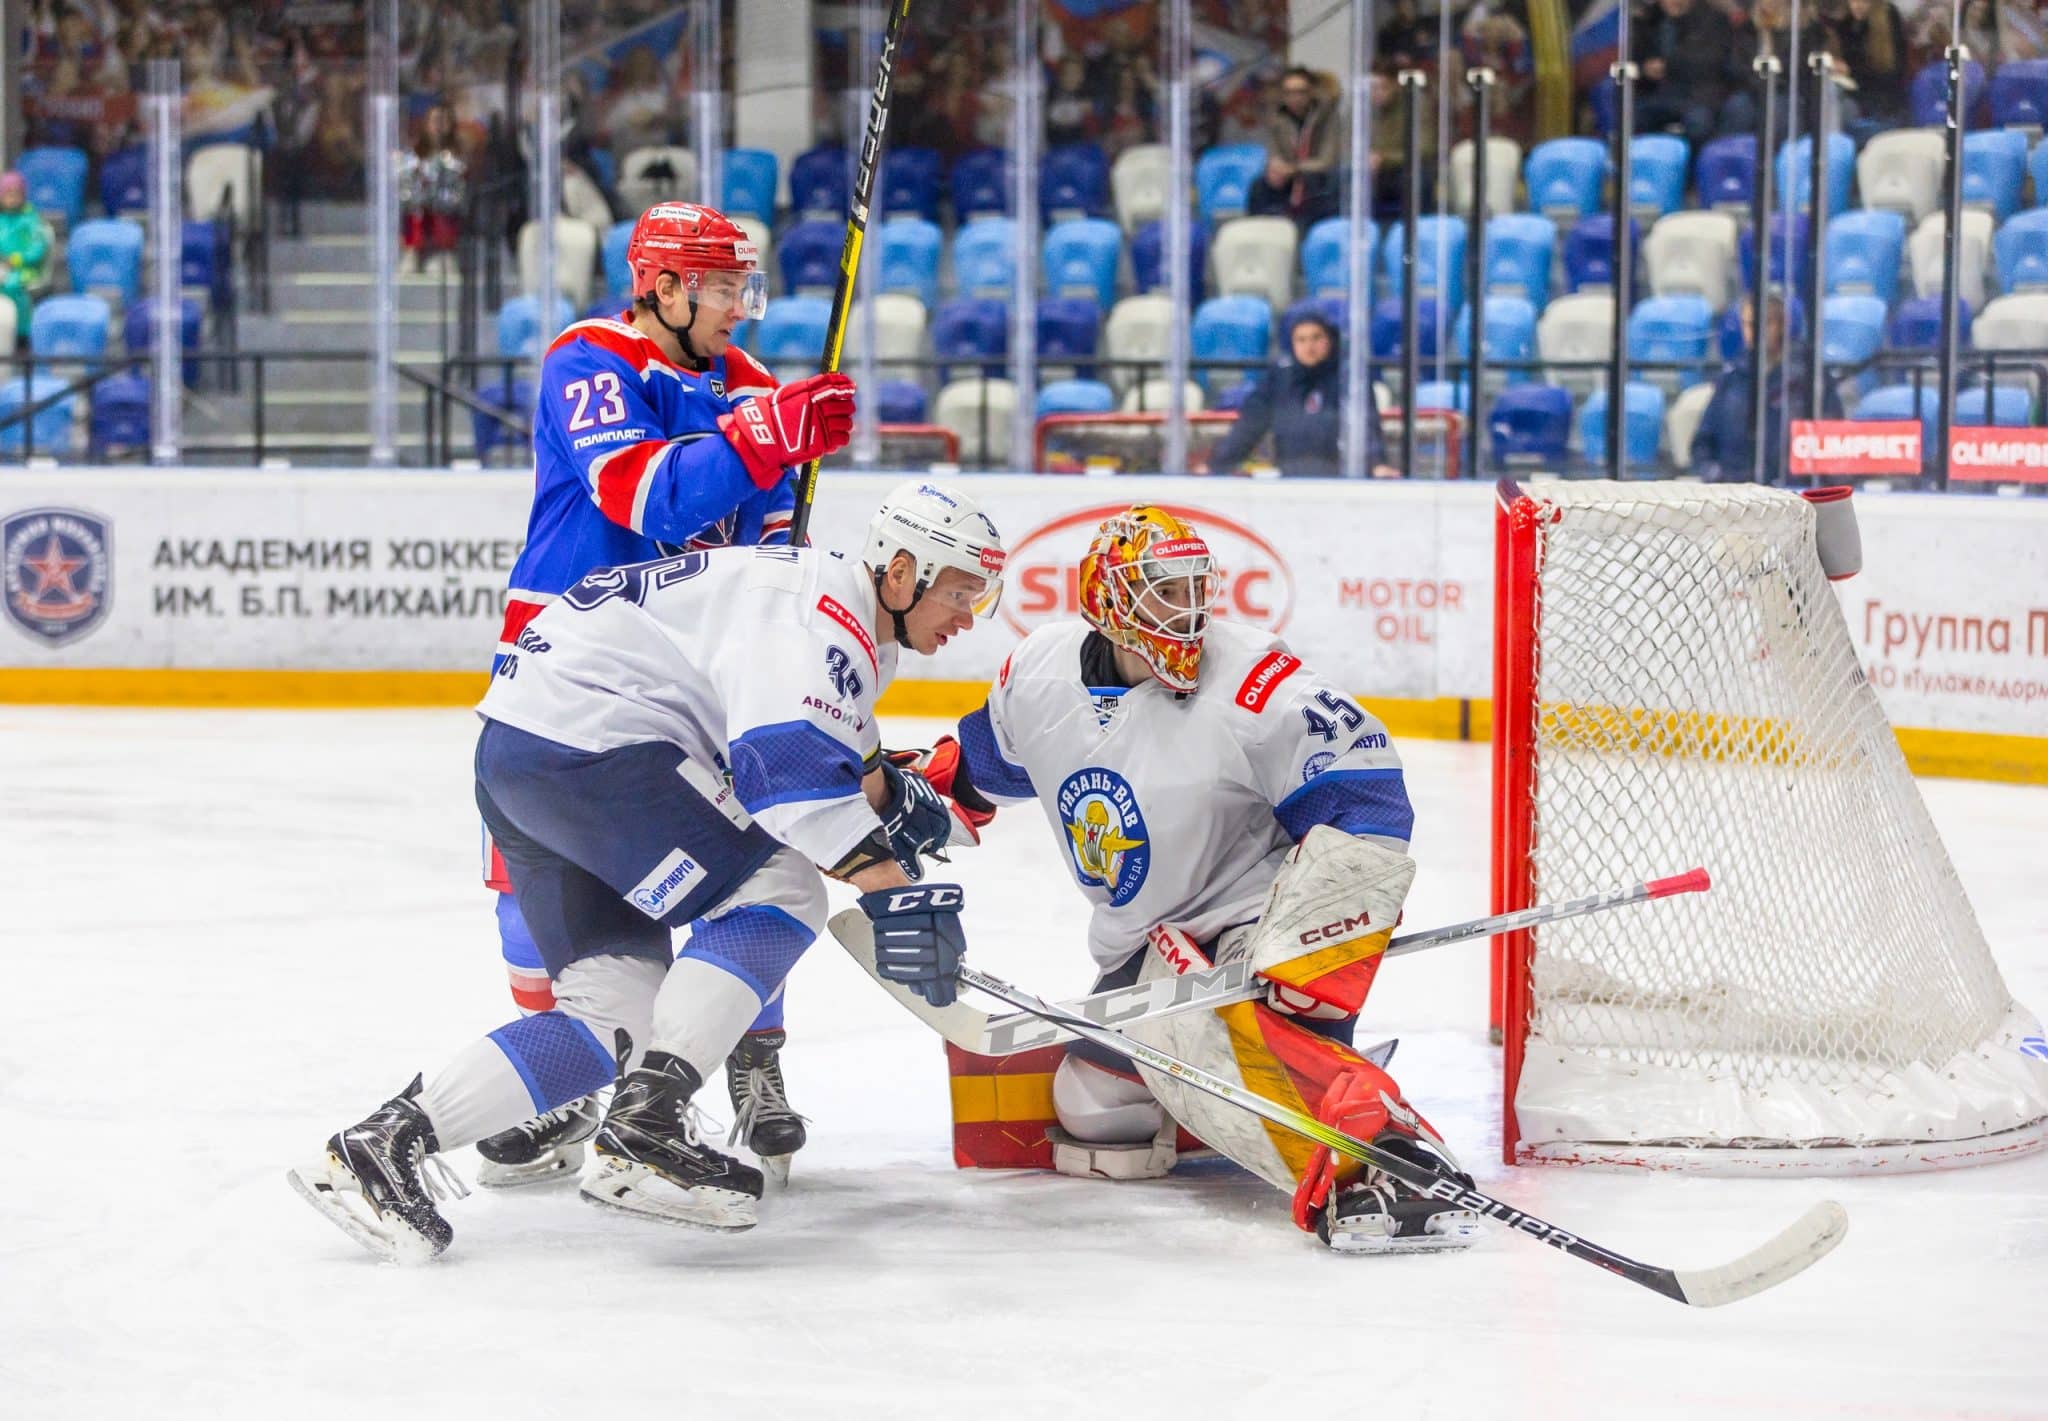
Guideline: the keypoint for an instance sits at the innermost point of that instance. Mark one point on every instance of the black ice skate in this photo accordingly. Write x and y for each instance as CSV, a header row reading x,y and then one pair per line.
x,y
651,1160
1380,1214
546,1147
379,1181
761,1117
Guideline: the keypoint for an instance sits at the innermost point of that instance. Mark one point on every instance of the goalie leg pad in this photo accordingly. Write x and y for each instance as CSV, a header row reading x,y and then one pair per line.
x,y
1329,914
1100,1107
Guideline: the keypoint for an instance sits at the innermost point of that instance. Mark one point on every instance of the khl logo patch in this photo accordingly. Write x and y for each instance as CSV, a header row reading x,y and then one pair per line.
x,y
1106,836
58,566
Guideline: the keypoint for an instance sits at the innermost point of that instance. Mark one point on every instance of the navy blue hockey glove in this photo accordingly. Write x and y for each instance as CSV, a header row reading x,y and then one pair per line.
x,y
917,819
918,938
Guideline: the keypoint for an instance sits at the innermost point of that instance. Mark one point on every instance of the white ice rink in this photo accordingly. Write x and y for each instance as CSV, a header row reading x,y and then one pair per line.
x,y
227,934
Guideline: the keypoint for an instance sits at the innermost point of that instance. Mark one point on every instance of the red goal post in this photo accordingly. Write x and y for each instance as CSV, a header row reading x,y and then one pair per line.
x,y
1135,442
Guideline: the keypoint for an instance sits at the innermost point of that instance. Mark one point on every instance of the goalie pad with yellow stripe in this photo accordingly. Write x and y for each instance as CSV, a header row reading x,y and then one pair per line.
x,y
1329,914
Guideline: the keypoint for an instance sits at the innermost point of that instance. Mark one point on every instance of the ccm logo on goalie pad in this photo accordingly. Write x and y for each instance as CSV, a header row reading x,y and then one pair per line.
x,y
1273,668
1335,932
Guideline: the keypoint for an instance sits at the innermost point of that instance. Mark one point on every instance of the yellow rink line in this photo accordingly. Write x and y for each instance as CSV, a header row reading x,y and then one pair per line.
x,y
2018,759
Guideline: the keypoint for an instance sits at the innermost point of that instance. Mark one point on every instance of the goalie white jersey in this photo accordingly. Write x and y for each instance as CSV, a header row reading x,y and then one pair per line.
x,y
758,662
1177,810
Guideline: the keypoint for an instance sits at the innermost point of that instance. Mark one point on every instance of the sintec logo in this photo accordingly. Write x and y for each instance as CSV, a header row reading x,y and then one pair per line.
x,y
1043,580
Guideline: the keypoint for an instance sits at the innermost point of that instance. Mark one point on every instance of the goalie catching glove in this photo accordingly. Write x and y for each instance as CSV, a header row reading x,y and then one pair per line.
x,y
793,424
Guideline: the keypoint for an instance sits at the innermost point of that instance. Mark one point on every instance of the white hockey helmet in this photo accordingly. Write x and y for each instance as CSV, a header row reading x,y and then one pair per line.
x,y
940,527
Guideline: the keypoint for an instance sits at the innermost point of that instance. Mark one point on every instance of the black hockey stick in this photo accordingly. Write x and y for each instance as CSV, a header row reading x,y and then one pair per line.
x,y
872,142
1804,1242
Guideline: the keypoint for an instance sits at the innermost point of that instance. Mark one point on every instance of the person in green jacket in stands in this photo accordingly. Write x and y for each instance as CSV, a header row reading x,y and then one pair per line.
x,y
24,249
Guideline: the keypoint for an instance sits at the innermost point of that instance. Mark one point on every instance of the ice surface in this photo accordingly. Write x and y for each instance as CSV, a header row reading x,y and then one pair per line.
x,y
228,933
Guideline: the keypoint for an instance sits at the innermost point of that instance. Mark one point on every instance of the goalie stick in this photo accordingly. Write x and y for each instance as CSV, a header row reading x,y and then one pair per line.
x,y
1801,1244
985,1035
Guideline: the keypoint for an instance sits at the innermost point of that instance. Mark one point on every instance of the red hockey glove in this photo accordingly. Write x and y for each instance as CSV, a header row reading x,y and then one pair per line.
x,y
801,421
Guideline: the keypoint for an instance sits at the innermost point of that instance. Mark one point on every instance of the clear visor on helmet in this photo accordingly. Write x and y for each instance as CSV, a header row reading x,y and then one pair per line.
x,y
964,591
743,291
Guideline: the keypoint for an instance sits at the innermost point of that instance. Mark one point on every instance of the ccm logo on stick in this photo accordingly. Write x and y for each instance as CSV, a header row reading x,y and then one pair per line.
x,y
1337,931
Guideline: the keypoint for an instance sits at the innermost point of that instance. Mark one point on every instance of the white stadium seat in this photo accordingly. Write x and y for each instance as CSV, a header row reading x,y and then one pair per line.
x,y
2018,322
1577,327
1503,170
1693,253
1140,181
575,258
640,190
959,408
1152,394
1900,171
1924,250
899,330
1138,328
1682,421
1254,256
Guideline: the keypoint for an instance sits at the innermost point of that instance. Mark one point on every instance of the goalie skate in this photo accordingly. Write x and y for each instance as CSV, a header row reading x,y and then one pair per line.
x,y
652,1160
379,1180
1380,1214
546,1147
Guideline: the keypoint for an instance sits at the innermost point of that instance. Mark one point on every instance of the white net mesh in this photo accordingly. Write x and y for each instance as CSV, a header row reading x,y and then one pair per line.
x,y
1700,702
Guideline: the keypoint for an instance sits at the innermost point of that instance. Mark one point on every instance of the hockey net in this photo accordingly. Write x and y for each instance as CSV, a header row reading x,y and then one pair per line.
x,y
1135,442
1675,685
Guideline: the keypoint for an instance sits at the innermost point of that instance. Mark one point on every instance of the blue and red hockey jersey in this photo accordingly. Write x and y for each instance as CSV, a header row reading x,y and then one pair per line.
x,y
629,464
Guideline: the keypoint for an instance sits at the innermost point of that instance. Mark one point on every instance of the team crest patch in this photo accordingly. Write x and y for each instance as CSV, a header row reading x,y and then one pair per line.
x,y
1106,837
1315,765
59,568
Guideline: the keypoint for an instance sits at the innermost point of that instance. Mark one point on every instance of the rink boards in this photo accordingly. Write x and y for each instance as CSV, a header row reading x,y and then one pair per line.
x,y
375,588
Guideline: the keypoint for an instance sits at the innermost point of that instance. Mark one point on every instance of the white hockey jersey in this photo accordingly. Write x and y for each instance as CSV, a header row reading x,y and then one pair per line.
x,y
1179,810
758,662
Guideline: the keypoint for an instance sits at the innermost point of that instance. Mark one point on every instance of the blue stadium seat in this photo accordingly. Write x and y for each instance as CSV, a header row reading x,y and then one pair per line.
x,y
985,257
1896,402
1075,397
618,279
2008,405
971,326
56,181
1446,283
910,258
1520,250
1073,181
1852,329
749,183
1658,164
1916,324
809,256
1865,250
1589,253
1510,333
1080,258
1326,256
1530,424
124,181
1443,395
1603,97
1386,328
1726,172
70,328
793,331
203,258
106,254
520,395
1672,328
49,429
910,183
1224,176
2019,94
138,330
1069,328
2022,248
1795,173
980,182
119,414
1642,424
1148,256
1229,328
519,333
2037,168
1929,95
1801,245
900,402
1565,178
1995,169
818,183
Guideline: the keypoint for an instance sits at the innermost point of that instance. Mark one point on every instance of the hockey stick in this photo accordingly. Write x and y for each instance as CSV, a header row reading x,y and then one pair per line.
x,y
1219,986
872,143
1800,1245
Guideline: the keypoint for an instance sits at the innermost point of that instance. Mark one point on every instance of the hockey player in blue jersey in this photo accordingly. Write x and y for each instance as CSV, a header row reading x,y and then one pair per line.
x,y
681,741
654,434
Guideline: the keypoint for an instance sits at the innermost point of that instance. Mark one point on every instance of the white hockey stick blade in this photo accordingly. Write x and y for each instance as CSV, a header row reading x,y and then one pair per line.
x,y
1807,1240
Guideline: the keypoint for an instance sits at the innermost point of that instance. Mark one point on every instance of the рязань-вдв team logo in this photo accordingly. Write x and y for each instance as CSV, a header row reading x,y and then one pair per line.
x,y
1106,836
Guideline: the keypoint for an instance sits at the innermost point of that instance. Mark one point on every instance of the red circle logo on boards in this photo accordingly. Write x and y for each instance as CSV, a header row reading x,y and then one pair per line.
x,y
1043,581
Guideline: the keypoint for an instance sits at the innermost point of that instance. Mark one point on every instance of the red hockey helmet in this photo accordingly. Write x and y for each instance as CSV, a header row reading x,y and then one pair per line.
x,y
695,243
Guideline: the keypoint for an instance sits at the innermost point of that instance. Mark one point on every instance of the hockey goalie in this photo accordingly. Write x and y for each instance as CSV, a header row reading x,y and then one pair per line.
x,y
1216,800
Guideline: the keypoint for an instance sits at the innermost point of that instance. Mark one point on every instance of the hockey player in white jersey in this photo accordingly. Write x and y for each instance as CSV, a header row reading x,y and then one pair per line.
x,y
1216,800
680,742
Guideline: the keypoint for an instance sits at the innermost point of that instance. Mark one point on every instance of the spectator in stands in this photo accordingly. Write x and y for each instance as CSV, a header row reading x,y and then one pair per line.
x,y
1498,42
1299,401
1768,30
1069,108
1870,41
1300,180
25,249
1388,160
1980,32
1407,40
1724,445
640,110
432,188
1132,114
1684,52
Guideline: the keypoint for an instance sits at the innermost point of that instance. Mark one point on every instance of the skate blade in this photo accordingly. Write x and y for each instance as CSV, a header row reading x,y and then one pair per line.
x,y
391,1243
775,1169
628,1188
1447,1233
554,1166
